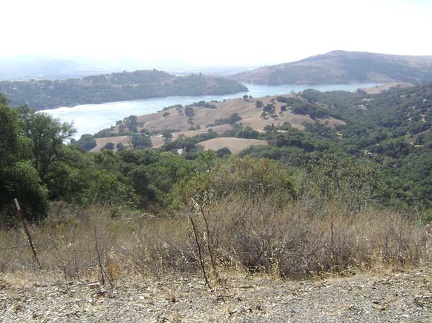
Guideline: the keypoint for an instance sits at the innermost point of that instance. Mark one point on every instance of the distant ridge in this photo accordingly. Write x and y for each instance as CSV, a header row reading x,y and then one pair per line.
x,y
22,68
343,67
125,86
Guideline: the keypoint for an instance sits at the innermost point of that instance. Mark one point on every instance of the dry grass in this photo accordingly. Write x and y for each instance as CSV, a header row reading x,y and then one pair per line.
x,y
180,124
235,145
288,242
242,236
387,86
251,116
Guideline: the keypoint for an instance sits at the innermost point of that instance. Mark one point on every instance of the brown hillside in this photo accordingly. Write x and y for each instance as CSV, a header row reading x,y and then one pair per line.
x,y
202,118
178,122
235,145
343,67
387,86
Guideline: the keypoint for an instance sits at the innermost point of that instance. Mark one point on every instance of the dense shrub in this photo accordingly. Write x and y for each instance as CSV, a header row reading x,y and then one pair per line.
x,y
251,178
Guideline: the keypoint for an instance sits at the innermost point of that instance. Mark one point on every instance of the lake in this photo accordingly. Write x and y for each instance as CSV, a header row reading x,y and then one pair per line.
x,y
90,118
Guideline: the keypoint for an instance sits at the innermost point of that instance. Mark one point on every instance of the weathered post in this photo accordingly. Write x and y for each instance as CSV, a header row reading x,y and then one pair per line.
x,y
21,216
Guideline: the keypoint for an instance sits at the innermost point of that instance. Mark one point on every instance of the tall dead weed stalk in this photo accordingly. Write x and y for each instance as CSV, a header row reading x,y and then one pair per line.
x,y
232,233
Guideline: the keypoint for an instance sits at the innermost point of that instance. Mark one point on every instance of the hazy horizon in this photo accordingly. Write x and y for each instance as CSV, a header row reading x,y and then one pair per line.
x,y
226,33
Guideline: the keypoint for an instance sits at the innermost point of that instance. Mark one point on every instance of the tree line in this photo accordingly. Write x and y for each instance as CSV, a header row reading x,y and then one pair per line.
x,y
126,86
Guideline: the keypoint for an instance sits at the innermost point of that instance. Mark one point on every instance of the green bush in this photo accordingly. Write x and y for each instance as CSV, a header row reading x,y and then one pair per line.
x,y
253,179
339,182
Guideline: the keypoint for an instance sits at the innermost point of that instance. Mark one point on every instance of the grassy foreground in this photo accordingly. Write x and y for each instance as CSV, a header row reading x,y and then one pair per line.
x,y
231,234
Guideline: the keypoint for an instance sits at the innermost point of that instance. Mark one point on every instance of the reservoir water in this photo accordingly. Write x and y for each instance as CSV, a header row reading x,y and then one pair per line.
x,y
90,118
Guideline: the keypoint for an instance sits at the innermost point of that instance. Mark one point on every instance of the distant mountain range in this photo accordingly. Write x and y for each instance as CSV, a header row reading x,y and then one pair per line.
x,y
23,68
343,67
44,67
336,67
47,82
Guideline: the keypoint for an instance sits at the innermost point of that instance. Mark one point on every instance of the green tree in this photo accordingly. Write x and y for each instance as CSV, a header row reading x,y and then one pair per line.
x,y
222,152
233,118
340,182
165,173
120,147
59,165
9,134
259,104
18,176
48,136
109,146
253,179
189,112
247,132
140,182
167,135
140,141
105,188
131,123
86,142
69,180
25,185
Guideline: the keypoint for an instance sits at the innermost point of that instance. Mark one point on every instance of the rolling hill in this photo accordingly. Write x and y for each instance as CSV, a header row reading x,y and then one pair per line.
x,y
124,86
256,114
343,67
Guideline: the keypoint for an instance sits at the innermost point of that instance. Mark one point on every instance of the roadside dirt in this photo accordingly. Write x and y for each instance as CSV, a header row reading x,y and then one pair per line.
x,y
388,297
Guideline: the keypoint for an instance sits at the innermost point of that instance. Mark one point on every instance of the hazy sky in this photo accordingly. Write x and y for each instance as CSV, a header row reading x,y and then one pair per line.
x,y
222,32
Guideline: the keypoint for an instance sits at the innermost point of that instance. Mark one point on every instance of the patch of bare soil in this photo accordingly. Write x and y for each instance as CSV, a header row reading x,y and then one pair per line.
x,y
158,141
392,297
234,144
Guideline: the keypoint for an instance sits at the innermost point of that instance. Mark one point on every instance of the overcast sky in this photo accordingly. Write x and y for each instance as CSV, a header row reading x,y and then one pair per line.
x,y
218,32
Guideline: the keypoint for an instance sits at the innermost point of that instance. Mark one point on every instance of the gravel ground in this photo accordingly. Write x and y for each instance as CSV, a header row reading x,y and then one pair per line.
x,y
393,297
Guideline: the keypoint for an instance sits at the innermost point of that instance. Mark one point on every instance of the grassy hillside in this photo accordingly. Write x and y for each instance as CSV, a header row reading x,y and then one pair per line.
x,y
219,117
340,67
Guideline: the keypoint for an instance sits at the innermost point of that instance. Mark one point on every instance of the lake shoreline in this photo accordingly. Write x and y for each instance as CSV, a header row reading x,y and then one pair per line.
x,y
91,118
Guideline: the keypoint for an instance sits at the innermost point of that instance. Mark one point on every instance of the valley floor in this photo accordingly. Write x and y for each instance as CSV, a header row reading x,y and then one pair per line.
x,y
385,297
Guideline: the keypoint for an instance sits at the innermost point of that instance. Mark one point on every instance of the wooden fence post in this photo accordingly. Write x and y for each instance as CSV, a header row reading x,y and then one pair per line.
x,y
29,238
